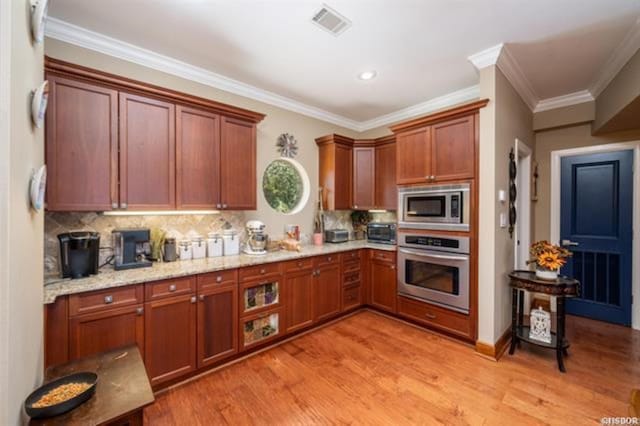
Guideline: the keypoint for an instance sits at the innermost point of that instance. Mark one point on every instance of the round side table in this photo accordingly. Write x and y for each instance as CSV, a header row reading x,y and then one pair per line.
x,y
562,288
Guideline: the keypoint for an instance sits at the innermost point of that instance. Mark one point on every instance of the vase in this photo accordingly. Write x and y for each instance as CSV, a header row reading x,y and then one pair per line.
x,y
317,238
546,274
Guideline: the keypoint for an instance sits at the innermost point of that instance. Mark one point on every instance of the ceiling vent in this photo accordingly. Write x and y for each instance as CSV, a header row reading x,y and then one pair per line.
x,y
330,20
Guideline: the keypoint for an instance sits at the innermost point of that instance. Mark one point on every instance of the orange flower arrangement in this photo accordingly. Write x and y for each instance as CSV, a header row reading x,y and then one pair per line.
x,y
548,256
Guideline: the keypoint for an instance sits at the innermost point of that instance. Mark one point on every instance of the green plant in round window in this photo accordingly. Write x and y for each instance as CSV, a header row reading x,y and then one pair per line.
x,y
285,185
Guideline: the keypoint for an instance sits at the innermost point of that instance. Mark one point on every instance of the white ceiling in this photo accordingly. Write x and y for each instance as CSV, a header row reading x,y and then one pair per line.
x,y
419,48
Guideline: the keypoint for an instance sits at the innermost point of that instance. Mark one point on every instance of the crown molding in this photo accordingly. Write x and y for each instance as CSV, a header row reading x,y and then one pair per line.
x,y
454,98
512,71
73,34
486,57
618,59
565,100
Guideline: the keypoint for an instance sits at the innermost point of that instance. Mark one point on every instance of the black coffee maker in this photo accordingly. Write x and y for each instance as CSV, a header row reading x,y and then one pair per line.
x,y
79,254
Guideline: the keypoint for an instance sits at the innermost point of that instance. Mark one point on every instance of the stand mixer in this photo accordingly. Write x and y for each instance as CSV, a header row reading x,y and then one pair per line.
x,y
256,238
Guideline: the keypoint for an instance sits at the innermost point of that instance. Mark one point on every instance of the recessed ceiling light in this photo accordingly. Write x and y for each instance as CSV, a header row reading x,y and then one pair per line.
x,y
367,75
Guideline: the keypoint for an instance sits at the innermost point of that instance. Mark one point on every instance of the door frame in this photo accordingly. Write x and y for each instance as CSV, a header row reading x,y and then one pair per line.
x,y
556,158
524,155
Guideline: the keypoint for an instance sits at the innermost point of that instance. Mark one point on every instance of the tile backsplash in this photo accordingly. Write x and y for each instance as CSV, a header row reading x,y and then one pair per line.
x,y
177,226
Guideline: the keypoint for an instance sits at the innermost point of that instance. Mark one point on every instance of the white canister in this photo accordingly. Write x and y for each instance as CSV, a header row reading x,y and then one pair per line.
x,y
198,248
214,245
231,242
185,250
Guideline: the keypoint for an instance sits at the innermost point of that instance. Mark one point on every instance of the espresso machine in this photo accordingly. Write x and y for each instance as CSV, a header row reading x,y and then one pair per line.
x,y
79,254
256,238
131,248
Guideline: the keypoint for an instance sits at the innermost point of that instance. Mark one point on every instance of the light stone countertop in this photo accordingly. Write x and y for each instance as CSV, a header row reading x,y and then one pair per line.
x,y
55,286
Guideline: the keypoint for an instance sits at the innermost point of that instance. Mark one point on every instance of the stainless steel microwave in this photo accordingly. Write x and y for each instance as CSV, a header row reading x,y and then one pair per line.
x,y
443,207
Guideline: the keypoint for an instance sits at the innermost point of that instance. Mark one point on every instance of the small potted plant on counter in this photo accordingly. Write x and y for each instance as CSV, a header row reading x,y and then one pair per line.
x,y
360,219
549,258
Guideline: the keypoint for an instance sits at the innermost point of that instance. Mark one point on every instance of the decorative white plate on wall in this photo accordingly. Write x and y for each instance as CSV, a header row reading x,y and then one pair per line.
x,y
38,19
38,188
39,104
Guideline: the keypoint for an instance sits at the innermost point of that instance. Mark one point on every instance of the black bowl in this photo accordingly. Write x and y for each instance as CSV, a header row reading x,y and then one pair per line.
x,y
63,407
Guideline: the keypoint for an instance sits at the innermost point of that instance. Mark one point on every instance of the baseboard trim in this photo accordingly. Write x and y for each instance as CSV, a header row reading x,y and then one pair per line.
x,y
494,352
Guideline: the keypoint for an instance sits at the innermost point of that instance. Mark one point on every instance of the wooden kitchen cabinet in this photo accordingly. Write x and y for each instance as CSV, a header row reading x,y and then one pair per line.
x,y
382,281
197,159
386,192
413,150
299,294
217,323
453,149
238,165
82,146
147,153
327,293
336,171
170,337
105,330
364,177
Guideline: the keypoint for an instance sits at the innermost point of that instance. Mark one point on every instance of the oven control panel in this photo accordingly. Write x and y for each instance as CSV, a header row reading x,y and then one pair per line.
x,y
434,242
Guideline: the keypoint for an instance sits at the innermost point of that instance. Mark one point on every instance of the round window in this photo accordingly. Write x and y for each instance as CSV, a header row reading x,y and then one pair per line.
x,y
286,185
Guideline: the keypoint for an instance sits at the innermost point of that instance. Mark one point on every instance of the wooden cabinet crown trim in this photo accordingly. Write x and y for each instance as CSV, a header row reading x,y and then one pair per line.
x,y
360,143
78,71
465,109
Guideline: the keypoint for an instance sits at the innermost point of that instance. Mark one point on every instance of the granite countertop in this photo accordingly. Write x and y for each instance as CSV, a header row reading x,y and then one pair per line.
x,y
56,286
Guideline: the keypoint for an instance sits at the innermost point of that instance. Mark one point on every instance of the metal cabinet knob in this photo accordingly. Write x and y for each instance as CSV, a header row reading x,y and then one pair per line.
x,y
193,299
329,258
114,205
262,271
224,206
299,264
430,315
201,297
172,288
123,205
140,311
219,279
393,266
355,206
108,299
218,206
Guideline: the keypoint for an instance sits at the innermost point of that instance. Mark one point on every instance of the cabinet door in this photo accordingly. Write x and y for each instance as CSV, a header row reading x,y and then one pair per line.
x,y
299,300
364,178
102,331
197,159
413,150
217,324
327,292
147,153
386,190
342,198
453,149
383,285
81,146
238,165
170,338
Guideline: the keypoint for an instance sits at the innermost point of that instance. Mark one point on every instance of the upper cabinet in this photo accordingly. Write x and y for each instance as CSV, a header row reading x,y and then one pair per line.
x,y
438,148
147,153
114,143
357,174
82,146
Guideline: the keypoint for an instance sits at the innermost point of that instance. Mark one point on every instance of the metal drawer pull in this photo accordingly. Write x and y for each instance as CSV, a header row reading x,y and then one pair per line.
x,y
430,316
123,205
172,288
108,299
193,299
262,271
202,297
219,279
140,311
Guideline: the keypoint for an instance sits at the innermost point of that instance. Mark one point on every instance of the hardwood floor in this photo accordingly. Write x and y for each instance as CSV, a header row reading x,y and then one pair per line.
x,y
370,369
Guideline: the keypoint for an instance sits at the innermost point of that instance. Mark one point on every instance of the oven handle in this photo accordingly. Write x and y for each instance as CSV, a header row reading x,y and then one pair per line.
x,y
436,256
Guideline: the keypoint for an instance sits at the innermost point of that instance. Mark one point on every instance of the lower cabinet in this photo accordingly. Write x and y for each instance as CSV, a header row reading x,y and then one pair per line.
x,y
109,329
327,292
351,297
299,286
260,328
170,338
383,282
217,324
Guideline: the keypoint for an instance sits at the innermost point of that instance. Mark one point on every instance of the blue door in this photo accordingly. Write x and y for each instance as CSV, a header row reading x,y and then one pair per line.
x,y
596,225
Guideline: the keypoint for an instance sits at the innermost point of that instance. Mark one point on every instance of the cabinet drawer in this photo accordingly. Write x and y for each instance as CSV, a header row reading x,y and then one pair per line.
x,y
351,278
351,266
217,279
102,300
327,259
351,256
260,295
453,322
168,288
384,256
259,271
351,297
298,265
260,328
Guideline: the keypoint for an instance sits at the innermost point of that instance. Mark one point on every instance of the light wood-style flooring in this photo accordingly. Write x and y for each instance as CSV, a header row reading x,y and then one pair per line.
x,y
371,369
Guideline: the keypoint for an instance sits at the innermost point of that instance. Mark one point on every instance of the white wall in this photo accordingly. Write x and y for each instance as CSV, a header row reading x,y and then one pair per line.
x,y
21,230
